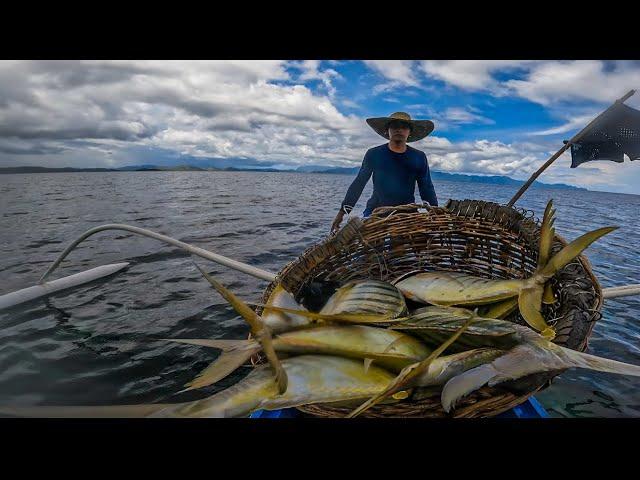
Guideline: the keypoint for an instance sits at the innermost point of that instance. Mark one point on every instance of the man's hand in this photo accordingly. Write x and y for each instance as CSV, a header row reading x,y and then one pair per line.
x,y
336,223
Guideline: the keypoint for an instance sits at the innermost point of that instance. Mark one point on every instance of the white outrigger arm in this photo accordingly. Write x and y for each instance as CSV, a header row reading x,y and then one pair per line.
x,y
44,288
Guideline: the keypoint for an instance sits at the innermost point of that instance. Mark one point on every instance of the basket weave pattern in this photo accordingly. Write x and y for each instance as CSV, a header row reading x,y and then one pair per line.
x,y
471,236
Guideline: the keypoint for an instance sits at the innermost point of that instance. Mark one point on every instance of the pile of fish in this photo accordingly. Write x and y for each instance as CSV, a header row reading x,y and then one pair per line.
x,y
364,346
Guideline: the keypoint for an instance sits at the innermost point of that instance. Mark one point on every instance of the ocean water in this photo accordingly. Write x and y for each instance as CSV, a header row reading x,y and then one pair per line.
x,y
98,344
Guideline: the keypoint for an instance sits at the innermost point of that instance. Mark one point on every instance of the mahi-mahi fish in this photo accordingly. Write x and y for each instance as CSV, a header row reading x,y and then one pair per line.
x,y
524,351
387,348
311,379
359,301
393,350
538,355
457,288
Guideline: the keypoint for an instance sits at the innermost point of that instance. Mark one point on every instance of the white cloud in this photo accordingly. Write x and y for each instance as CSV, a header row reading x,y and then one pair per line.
x,y
469,74
575,123
539,81
195,108
97,113
548,82
399,71
517,160
311,71
462,115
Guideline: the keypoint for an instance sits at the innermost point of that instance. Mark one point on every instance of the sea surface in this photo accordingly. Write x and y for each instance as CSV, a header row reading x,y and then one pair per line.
x,y
99,344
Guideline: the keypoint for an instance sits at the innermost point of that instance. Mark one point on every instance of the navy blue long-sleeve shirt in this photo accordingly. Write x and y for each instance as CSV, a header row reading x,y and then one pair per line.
x,y
394,179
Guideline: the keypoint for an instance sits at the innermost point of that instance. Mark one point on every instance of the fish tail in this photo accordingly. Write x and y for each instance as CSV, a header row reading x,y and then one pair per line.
x,y
465,383
525,360
571,251
546,235
259,330
548,298
234,354
592,362
531,298
530,302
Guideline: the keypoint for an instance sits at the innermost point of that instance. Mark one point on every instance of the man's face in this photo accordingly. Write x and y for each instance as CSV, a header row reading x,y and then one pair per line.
x,y
399,131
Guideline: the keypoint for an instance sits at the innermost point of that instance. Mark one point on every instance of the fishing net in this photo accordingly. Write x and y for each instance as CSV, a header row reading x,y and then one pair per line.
x,y
471,236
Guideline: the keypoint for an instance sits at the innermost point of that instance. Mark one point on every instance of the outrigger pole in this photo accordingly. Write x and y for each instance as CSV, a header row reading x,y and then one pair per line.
x,y
201,252
43,289
574,139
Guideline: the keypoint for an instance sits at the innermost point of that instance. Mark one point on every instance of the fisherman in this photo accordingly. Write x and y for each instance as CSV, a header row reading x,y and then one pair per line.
x,y
396,167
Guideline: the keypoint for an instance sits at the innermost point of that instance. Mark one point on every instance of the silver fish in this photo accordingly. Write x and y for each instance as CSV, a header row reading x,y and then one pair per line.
x,y
535,354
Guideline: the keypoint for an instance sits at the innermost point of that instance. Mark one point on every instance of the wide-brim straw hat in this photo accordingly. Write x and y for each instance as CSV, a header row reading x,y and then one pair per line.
x,y
419,128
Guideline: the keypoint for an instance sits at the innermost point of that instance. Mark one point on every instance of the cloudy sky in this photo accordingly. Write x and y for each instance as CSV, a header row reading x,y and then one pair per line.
x,y
492,117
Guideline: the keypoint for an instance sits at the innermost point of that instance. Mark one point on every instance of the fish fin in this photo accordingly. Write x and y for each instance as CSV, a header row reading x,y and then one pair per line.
x,y
546,235
529,302
571,251
224,345
501,309
392,388
115,411
465,383
592,362
410,372
260,331
227,363
401,395
367,364
525,360
548,298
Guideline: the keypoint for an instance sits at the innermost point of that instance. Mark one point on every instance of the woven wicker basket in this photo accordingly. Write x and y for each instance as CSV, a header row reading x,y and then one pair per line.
x,y
471,236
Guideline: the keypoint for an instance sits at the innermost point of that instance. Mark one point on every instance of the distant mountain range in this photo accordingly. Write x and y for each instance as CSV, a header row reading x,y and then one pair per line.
x,y
251,167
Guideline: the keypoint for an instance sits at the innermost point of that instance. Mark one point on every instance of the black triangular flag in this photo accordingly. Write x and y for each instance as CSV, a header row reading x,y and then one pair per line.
x,y
612,136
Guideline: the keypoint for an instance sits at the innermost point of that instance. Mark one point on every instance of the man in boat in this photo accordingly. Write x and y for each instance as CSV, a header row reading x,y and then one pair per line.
x,y
396,167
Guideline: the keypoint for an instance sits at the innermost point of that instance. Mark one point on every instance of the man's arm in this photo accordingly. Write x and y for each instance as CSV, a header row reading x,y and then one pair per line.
x,y
425,185
354,191
358,184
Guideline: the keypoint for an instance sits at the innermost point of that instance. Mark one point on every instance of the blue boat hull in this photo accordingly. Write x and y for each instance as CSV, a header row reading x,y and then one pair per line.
x,y
529,409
